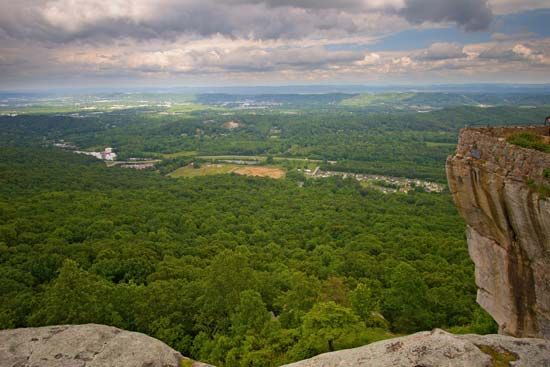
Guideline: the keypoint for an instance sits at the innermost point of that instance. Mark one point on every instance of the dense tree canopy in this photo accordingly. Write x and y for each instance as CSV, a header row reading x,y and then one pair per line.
x,y
233,270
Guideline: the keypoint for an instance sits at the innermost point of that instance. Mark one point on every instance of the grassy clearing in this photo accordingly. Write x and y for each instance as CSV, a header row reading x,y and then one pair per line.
x,y
204,170
220,169
183,153
271,172
232,157
530,141
260,158
286,163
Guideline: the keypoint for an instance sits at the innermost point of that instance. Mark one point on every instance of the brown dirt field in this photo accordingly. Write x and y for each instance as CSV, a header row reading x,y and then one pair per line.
x,y
261,172
231,125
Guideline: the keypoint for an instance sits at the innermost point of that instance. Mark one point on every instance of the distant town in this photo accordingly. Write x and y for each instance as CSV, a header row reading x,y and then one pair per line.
x,y
386,184
109,156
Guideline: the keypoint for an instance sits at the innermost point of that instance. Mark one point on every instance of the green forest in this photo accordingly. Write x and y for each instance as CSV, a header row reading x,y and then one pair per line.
x,y
235,270
407,144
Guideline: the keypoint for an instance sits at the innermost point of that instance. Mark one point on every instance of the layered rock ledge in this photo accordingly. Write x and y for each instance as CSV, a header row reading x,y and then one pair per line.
x,y
87,345
508,225
439,348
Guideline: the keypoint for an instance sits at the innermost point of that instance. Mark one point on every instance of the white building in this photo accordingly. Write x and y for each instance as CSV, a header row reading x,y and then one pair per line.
x,y
106,155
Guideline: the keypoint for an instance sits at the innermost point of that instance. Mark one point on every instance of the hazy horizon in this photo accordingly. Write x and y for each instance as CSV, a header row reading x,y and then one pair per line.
x,y
472,88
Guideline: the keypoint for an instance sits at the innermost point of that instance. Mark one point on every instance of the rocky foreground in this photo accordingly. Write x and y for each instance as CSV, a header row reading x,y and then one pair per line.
x,y
93,345
87,345
438,348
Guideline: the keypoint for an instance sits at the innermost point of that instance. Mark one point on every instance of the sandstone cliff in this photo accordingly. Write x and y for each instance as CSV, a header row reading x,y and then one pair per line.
x,y
508,226
439,348
85,346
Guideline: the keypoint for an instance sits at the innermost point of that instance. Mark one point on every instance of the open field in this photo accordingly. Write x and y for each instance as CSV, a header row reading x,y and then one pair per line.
x,y
119,163
272,172
232,157
205,170
219,169
183,153
250,157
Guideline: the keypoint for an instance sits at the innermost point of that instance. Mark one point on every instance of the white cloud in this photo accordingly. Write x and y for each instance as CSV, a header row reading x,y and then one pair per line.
x,y
255,39
370,59
101,20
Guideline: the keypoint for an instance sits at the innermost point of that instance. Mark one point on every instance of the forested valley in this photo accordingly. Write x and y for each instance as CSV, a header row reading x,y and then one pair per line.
x,y
235,270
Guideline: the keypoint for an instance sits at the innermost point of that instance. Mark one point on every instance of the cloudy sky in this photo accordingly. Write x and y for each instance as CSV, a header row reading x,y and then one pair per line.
x,y
59,43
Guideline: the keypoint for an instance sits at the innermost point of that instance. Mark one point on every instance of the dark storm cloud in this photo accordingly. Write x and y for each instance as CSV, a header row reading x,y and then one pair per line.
x,y
69,20
63,21
472,15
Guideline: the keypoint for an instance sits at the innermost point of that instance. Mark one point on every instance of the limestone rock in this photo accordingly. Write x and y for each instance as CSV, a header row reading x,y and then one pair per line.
x,y
87,345
508,226
439,349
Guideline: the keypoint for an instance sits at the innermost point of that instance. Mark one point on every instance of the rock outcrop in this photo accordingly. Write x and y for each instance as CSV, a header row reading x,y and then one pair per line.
x,y
87,345
93,345
494,185
438,349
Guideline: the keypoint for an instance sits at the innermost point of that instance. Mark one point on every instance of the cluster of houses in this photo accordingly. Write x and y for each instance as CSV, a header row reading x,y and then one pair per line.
x,y
138,166
107,155
110,157
385,184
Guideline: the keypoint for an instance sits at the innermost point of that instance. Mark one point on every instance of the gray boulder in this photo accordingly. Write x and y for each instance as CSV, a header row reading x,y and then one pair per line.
x,y
440,349
87,345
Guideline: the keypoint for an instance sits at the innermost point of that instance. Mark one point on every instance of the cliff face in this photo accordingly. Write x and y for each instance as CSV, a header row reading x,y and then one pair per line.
x,y
508,226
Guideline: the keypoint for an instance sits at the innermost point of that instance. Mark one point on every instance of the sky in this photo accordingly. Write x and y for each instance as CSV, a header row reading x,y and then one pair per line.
x,y
125,43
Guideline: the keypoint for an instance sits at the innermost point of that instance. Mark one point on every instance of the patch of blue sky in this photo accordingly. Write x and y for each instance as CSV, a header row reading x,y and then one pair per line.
x,y
536,23
422,38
